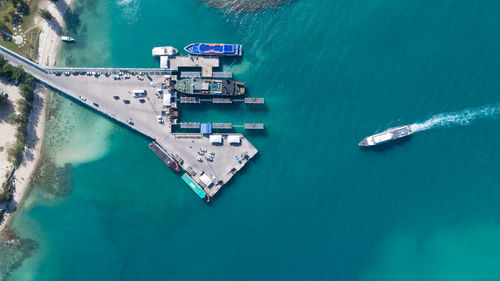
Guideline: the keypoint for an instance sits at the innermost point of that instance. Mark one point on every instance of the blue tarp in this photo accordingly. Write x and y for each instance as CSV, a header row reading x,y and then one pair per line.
x,y
206,128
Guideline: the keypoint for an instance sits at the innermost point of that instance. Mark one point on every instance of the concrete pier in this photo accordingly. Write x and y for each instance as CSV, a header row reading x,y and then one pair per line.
x,y
147,115
173,63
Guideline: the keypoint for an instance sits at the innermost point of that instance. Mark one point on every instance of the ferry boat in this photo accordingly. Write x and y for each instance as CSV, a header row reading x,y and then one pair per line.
x,y
206,49
210,87
164,51
387,136
67,39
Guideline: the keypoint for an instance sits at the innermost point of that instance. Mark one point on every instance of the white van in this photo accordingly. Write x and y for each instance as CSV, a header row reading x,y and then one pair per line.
x,y
139,93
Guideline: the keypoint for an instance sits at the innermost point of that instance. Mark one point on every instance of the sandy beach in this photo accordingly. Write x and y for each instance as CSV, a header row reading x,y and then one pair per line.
x,y
47,52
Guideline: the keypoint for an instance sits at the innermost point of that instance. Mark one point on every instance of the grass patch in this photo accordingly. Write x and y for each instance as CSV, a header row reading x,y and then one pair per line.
x,y
26,20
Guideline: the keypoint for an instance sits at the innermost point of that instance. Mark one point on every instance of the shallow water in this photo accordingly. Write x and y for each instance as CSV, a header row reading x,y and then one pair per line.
x,y
312,205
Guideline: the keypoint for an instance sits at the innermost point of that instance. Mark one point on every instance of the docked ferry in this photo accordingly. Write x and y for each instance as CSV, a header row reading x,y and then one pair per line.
x,y
210,87
387,136
206,49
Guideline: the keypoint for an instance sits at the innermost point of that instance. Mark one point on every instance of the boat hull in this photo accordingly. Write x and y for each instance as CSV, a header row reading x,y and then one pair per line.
x,y
386,136
207,49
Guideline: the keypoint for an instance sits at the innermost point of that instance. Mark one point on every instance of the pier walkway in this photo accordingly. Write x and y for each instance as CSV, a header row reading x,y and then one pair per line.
x,y
113,98
206,64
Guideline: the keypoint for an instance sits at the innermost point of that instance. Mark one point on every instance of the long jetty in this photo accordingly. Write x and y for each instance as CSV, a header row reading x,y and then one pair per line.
x,y
209,164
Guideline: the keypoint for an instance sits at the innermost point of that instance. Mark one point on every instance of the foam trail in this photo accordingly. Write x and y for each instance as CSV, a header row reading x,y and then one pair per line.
x,y
459,118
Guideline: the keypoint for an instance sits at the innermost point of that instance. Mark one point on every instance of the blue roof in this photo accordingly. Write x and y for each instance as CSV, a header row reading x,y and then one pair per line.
x,y
206,128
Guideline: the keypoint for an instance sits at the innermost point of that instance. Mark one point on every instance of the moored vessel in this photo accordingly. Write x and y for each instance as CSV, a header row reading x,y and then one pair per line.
x,y
164,156
67,39
207,49
387,136
210,87
164,51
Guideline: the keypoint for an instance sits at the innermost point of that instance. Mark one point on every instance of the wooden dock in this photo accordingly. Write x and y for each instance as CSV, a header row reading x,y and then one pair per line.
x,y
253,126
197,74
254,100
189,100
190,125
224,75
221,100
190,74
226,126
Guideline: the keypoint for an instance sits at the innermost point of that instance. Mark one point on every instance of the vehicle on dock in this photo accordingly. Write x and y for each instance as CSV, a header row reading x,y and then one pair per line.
x,y
387,136
210,87
207,49
67,39
164,51
139,93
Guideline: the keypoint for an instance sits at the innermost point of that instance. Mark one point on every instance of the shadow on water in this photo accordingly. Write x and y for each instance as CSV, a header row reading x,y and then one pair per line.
x,y
230,61
72,21
386,146
256,133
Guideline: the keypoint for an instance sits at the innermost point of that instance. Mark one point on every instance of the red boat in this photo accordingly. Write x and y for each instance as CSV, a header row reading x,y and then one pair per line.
x,y
174,166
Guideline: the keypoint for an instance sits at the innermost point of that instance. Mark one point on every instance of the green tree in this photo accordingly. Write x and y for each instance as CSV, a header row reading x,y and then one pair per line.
x,y
10,12
6,70
2,60
3,98
4,27
46,15
18,73
54,1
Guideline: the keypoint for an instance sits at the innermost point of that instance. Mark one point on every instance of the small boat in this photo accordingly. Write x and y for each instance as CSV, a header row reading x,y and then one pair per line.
x,y
164,51
67,39
206,49
387,135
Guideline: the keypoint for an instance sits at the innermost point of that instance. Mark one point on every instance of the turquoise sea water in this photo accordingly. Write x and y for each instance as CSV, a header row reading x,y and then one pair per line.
x,y
312,205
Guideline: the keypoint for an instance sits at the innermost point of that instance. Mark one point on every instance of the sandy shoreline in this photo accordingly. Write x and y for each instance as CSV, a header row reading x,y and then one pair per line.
x,y
47,53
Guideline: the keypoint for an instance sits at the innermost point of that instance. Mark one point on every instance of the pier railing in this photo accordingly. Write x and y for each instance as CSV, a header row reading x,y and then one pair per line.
x,y
25,60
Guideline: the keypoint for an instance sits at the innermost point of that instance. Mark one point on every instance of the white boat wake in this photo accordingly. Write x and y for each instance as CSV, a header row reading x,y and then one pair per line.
x,y
459,118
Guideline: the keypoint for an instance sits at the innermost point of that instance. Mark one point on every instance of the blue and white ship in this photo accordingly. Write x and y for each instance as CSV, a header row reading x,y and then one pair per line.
x,y
206,49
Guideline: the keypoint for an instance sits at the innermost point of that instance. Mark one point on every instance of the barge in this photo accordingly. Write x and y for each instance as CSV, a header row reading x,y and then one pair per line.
x,y
210,87
164,156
